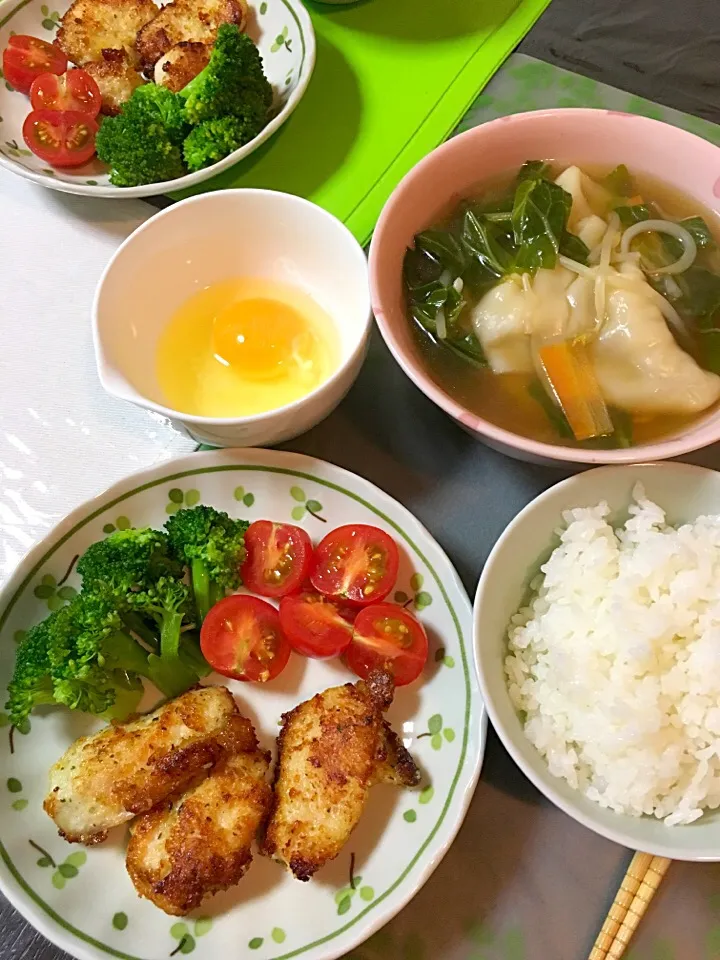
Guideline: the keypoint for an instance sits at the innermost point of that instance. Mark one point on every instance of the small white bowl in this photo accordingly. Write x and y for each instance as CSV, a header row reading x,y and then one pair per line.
x,y
684,492
213,237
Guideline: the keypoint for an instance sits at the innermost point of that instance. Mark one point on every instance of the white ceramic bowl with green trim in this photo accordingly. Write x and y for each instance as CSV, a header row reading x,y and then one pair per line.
x,y
685,492
282,29
83,900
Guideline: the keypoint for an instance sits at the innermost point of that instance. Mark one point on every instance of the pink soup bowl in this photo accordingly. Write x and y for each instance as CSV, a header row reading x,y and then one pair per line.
x,y
456,169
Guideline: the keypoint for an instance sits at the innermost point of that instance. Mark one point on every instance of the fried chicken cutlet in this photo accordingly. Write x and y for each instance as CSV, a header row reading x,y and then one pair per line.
x,y
116,78
331,750
199,842
185,21
127,768
90,28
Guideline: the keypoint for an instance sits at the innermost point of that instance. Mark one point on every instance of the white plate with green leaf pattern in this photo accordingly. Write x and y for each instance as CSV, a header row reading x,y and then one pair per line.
x,y
282,29
83,900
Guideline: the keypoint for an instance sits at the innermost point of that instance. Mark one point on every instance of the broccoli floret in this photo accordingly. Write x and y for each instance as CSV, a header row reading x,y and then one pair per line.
x,y
31,685
233,84
215,139
212,545
143,143
169,603
78,656
126,560
133,572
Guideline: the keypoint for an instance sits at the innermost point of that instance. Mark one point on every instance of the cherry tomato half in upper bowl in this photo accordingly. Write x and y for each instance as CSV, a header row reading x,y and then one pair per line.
x,y
316,626
387,637
62,138
278,558
74,90
241,638
357,563
25,58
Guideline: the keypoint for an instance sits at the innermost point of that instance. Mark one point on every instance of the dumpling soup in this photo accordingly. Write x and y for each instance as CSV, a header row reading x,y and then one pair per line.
x,y
572,306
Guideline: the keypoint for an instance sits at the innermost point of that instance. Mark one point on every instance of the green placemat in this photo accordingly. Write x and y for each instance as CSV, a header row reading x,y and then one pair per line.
x,y
528,84
392,80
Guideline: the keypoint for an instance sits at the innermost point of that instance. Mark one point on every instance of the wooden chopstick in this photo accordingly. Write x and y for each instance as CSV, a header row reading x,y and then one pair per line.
x,y
641,901
638,886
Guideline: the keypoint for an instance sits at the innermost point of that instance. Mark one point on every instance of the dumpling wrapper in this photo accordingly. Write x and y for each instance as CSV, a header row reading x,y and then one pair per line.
x,y
637,361
588,198
505,316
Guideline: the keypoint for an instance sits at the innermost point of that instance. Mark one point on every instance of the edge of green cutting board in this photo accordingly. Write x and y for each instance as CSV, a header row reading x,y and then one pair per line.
x,y
439,124
360,213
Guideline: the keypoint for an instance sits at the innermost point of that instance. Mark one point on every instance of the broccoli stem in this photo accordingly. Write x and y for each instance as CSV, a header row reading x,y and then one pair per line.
x,y
170,636
201,588
191,655
215,593
135,622
128,655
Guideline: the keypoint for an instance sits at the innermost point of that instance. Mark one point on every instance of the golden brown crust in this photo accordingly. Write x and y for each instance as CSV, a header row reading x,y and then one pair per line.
x,y
90,27
116,79
331,749
181,64
127,768
395,764
199,843
185,21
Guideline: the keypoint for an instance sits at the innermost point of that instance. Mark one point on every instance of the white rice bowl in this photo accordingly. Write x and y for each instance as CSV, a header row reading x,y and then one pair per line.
x,y
615,664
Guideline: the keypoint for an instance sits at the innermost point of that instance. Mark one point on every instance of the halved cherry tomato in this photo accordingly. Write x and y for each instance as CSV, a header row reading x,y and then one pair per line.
x,y
74,90
25,58
357,563
63,138
241,637
387,637
278,558
315,626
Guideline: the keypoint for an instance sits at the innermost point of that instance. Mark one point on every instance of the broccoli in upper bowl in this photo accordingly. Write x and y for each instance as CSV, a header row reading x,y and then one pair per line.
x,y
160,135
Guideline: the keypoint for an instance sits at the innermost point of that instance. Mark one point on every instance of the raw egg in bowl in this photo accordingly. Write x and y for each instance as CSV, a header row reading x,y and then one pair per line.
x,y
242,314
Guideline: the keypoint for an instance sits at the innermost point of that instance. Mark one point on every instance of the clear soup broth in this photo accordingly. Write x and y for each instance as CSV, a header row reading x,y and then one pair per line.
x,y
515,397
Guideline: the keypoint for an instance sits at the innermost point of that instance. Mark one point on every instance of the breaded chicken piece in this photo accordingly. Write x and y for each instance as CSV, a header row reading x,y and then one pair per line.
x,y
116,79
181,64
127,768
395,764
187,20
199,842
332,749
91,26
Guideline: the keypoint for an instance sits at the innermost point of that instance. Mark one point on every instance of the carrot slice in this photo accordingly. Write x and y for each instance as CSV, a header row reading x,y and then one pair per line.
x,y
573,383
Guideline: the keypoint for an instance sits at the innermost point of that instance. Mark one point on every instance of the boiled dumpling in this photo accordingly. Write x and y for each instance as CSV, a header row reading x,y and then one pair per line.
x,y
591,230
499,324
588,198
508,314
638,363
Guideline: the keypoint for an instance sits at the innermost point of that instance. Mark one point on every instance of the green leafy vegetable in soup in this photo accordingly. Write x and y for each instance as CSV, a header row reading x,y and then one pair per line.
x,y
573,307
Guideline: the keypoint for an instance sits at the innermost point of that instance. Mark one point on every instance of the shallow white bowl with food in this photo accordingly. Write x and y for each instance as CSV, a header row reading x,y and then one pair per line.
x,y
685,493
208,239
82,898
282,30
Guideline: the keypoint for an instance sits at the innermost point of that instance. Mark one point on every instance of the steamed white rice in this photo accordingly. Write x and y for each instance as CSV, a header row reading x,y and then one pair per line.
x,y
615,664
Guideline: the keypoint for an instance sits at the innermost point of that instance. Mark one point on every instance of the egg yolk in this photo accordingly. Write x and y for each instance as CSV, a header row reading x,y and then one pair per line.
x,y
244,346
259,338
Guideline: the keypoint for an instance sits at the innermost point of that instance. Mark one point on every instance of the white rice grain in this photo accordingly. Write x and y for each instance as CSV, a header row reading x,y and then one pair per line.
x,y
615,664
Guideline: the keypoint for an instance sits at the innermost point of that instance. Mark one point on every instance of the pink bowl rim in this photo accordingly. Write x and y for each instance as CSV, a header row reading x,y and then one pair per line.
x,y
663,449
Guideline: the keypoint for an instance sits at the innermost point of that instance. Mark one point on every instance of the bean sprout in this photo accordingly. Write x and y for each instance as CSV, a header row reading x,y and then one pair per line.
x,y
441,324
672,229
